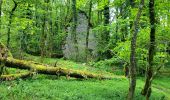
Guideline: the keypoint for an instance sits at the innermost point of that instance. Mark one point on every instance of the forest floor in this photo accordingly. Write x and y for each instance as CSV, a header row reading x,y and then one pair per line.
x,y
43,87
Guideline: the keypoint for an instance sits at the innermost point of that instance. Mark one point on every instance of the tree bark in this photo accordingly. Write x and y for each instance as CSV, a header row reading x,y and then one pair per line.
x,y
9,24
149,74
15,76
51,34
74,31
1,1
124,14
43,34
117,25
88,30
1,64
49,70
132,4
133,65
106,33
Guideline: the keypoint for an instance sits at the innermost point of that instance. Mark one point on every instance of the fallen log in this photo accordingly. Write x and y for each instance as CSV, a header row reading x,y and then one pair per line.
x,y
16,76
49,70
4,53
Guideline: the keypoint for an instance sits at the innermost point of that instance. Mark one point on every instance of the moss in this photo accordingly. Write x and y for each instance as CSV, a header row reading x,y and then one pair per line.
x,y
16,76
4,49
50,70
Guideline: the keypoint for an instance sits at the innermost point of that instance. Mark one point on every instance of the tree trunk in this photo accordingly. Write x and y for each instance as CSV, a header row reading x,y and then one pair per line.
x,y
88,31
124,14
132,4
1,1
43,41
4,53
106,34
1,64
106,12
149,74
43,38
49,70
117,25
74,31
132,68
9,24
15,76
51,31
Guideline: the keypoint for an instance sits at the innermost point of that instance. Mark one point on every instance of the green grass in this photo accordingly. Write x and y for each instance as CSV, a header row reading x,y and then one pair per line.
x,y
68,64
43,88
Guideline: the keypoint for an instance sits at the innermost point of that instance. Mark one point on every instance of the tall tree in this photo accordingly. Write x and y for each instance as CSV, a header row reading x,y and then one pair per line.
x,y
44,29
132,4
124,14
9,24
73,29
88,29
132,68
106,34
51,33
0,14
149,74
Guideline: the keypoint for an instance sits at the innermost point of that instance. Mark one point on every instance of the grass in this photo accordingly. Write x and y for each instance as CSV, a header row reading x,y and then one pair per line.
x,y
68,64
43,88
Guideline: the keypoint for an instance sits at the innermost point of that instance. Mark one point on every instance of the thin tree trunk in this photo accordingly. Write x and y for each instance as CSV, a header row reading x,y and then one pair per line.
x,y
44,35
117,25
124,14
105,35
1,1
42,44
51,39
132,4
51,35
168,45
132,68
1,64
149,74
88,30
9,24
74,31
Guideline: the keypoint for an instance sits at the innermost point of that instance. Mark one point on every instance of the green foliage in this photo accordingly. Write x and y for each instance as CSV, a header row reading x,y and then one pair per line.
x,y
48,88
35,20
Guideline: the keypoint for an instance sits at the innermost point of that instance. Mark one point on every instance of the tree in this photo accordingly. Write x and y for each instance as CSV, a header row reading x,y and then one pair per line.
x,y
88,29
0,13
106,34
9,61
10,21
44,29
73,29
132,68
149,74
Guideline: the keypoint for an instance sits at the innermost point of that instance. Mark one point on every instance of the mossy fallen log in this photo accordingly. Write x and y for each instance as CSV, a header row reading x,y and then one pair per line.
x,y
4,54
49,70
16,76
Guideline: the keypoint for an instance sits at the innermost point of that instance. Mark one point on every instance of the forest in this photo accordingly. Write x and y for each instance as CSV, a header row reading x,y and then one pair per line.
x,y
84,49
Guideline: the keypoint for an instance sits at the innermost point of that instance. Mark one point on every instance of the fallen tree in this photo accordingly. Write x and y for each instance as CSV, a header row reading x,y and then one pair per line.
x,y
7,60
16,76
4,53
49,70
